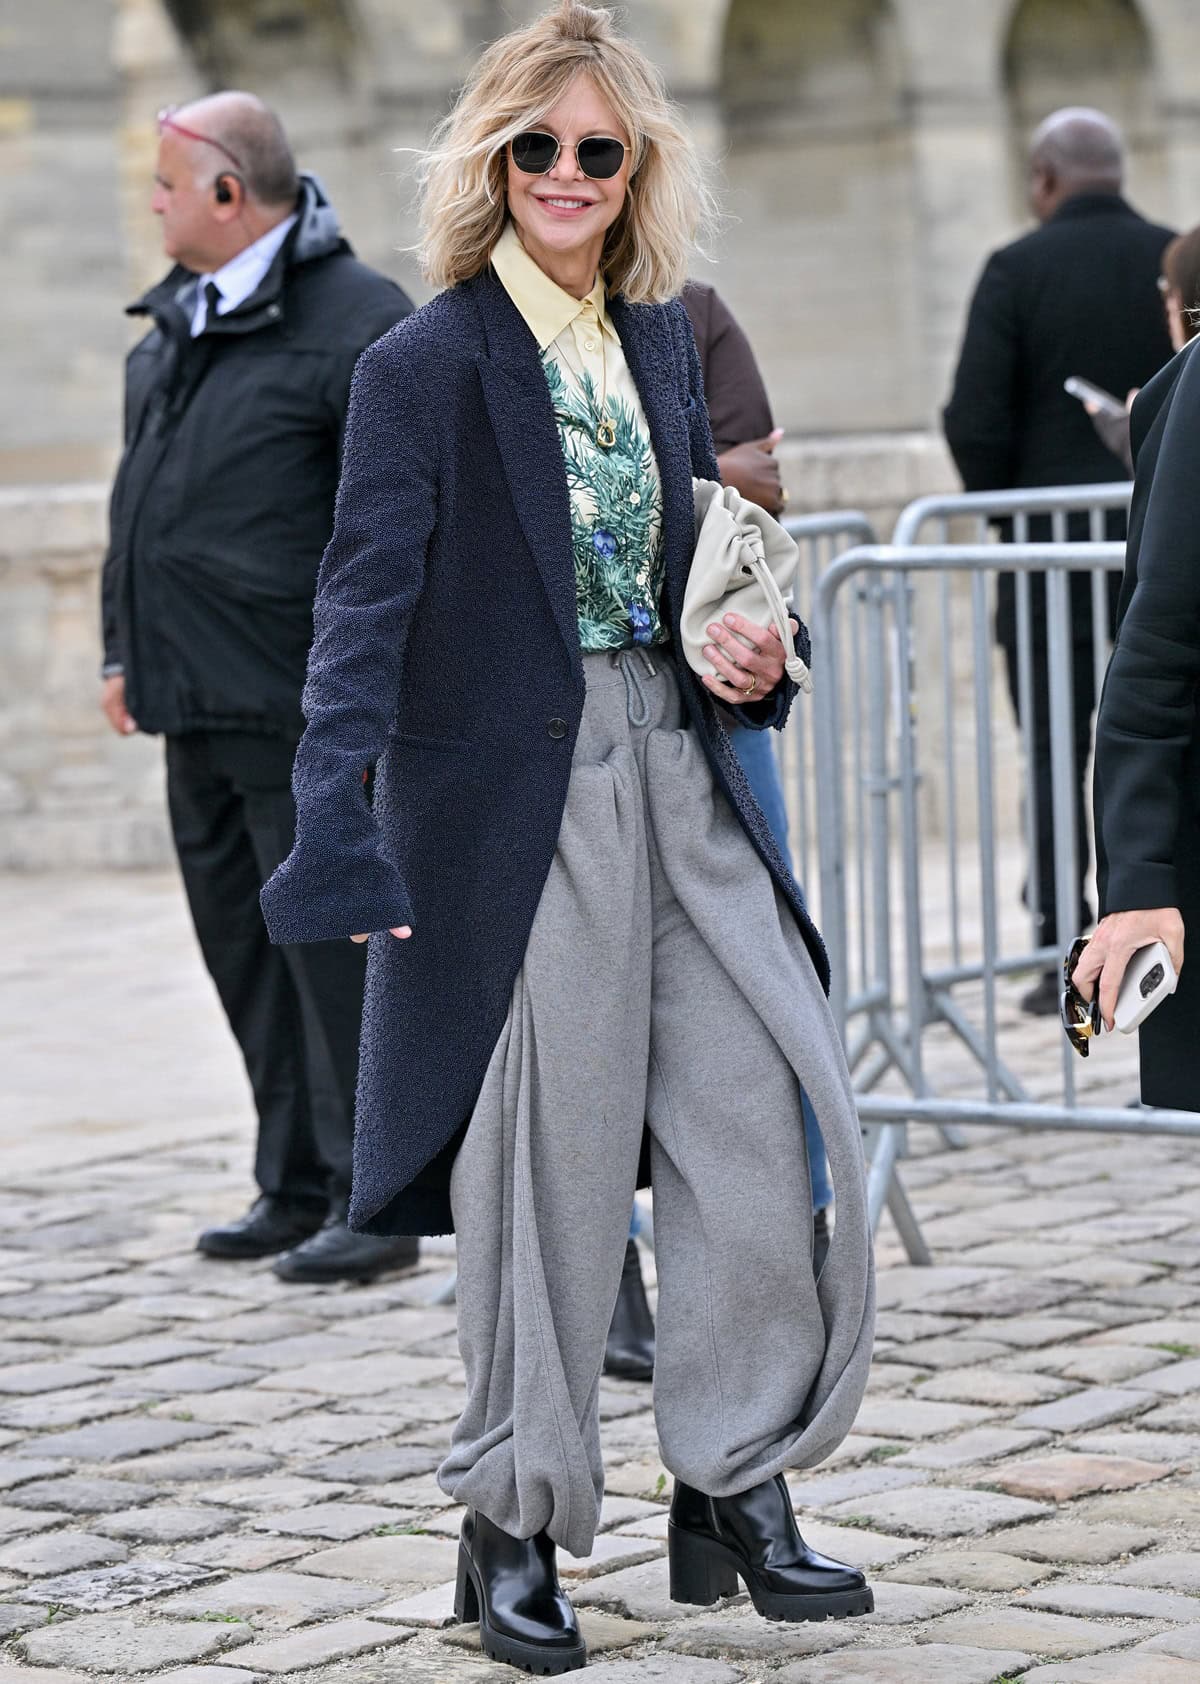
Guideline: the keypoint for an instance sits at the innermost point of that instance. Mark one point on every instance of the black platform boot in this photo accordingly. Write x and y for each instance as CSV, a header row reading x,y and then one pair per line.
x,y
715,1541
510,1585
629,1351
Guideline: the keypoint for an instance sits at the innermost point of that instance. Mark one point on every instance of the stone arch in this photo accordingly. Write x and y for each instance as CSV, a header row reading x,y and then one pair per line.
x,y
818,162
290,45
1088,52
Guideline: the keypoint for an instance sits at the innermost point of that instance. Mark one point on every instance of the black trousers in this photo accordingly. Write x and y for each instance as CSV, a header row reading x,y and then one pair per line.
x,y
296,1012
1083,698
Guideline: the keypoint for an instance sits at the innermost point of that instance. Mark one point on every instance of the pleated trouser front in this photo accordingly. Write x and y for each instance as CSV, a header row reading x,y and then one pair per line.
x,y
665,982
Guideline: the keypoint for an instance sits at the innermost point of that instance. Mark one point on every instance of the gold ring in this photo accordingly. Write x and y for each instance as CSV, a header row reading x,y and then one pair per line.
x,y
751,687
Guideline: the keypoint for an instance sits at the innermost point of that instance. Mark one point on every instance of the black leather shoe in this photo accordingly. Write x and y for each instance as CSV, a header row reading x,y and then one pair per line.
x,y
336,1254
1042,999
712,1542
267,1227
510,1585
821,1239
629,1353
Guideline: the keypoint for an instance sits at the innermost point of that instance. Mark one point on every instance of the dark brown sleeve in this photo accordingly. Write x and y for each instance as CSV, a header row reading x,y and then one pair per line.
x,y
738,406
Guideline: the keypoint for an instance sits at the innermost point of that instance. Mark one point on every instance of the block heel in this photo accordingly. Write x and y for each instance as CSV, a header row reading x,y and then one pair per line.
x,y
466,1598
700,1571
715,1542
510,1585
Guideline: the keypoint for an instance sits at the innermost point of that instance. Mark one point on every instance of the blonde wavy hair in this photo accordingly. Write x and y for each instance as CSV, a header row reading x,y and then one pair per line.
x,y
521,77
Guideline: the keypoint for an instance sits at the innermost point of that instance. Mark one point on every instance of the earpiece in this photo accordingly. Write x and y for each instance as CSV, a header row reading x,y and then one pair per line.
x,y
224,196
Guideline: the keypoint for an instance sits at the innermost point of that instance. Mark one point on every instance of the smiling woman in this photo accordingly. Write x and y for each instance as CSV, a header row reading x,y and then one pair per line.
x,y
600,943
649,213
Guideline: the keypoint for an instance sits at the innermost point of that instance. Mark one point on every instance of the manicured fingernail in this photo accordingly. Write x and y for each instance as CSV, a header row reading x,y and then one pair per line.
x,y
714,631
731,620
709,652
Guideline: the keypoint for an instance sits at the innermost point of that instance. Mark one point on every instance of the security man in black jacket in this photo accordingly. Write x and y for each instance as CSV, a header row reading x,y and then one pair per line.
x,y
235,406
1078,296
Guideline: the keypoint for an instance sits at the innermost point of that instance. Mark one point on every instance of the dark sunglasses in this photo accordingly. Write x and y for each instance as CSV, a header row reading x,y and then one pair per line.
x,y
1080,1017
599,156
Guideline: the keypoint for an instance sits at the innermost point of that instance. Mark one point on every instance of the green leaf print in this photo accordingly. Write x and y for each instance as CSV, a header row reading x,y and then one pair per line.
x,y
616,512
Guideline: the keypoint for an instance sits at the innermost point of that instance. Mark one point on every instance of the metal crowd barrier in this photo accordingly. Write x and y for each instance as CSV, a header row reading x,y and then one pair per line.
x,y
910,750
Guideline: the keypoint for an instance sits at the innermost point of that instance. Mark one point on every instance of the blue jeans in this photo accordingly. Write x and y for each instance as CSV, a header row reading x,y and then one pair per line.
x,y
756,751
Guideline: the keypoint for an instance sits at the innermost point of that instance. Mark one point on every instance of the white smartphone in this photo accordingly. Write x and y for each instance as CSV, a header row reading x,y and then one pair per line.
x,y
1149,978
1104,401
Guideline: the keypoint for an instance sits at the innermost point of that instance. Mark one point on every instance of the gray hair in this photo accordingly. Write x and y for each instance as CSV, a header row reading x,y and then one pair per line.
x,y
252,133
1082,146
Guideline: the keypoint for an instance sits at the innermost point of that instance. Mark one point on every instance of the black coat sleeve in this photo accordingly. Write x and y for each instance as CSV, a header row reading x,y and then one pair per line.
x,y
338,880
773,709
1148,711
981,418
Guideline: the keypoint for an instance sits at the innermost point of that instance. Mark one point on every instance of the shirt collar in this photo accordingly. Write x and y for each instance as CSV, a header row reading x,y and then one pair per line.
x,y
547,309
238,278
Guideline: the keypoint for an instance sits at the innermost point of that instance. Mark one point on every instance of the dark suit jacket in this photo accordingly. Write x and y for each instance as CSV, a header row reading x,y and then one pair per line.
x,y
1079,296
738,407
1147,775
447,651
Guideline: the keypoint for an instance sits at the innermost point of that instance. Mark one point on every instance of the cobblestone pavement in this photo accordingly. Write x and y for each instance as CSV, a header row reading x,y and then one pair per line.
x,y
210,1477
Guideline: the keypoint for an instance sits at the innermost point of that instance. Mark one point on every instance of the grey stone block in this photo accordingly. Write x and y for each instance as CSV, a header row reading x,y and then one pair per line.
x,y
1026,1628
104,1643
1078,1541
395,1562
61,1552
338,1521
275,1598
1114,1602
167,1524
934,1511
79,1494
336,1641
979,1569
940,1663
111,1441
95,1592
374,1464
1095,1407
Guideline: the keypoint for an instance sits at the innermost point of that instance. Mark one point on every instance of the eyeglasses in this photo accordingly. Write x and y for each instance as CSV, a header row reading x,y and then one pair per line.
x,y
166,120
1080,1018
599,156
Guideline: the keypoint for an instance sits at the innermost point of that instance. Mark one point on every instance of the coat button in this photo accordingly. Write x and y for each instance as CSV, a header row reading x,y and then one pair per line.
x,y
557,728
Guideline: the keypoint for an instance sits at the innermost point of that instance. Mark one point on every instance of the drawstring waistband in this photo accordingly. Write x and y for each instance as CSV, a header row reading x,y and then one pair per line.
x,y
637,703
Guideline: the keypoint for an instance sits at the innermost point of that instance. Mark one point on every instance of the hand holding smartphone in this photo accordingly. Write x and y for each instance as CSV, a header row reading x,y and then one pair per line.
x,y
1105,402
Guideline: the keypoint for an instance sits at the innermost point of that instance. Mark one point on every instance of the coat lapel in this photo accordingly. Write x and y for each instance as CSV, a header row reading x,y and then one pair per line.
x,y
522,418
646,340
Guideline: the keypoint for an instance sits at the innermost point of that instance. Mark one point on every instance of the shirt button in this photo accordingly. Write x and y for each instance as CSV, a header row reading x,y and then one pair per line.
x,y
557,728
589,344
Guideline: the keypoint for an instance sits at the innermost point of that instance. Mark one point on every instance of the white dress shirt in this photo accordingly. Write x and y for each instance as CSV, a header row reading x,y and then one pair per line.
x,y
241,276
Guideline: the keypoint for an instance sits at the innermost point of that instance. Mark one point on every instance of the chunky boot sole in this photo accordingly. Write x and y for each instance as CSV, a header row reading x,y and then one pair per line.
x,y
703,1571
530,1657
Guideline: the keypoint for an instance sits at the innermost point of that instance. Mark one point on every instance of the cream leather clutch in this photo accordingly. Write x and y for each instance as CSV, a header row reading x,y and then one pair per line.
x,y
744,563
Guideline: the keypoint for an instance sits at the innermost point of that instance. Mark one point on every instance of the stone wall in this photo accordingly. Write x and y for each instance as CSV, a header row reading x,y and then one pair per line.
x,y
868,154
74,794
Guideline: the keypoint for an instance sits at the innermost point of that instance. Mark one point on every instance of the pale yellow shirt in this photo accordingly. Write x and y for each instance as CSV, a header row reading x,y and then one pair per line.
x,y
616,496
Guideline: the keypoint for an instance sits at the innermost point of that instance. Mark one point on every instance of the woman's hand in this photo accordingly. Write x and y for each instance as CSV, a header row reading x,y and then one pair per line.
x,y
748,658
402,934
1114,944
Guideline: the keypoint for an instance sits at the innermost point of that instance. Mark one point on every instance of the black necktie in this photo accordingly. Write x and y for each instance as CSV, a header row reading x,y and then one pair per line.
x,y
212,297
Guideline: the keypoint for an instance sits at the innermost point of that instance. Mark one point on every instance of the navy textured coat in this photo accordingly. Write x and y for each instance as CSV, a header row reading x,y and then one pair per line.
x,y
446,654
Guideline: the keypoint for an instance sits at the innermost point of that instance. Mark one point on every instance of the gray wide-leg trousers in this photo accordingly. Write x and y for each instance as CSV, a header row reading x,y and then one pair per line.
x,y
664,982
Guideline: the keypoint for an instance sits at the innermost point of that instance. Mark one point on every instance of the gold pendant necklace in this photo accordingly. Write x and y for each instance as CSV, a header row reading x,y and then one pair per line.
x,y
606,433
